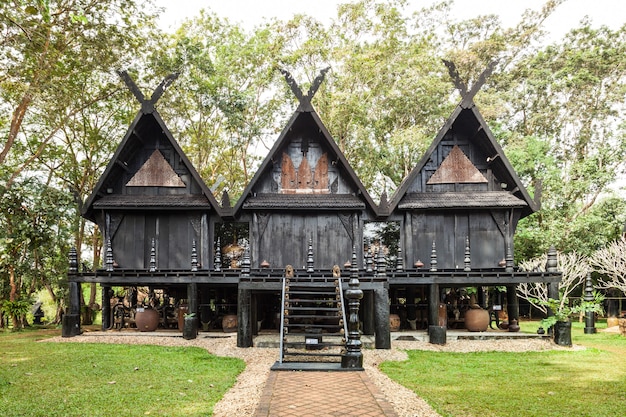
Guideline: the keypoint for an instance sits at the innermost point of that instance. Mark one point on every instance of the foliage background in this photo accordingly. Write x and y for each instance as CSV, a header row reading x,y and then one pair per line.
x,y
556,108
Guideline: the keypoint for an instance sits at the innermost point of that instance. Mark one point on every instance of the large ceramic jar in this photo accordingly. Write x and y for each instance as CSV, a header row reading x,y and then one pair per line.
x,y
394,322
476,320
229,323
146,319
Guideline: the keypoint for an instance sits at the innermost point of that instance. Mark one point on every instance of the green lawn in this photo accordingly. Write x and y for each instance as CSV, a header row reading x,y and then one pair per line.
x,y
590,382
72,379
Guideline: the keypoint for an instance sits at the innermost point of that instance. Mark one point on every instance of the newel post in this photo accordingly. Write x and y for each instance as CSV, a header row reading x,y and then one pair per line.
x,y
353,357
71,319
590,316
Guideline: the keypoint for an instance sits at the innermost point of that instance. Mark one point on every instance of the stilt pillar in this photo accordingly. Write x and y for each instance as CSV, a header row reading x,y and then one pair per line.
x,y
244,318
381,318
106,307
190,324
368,312
437,331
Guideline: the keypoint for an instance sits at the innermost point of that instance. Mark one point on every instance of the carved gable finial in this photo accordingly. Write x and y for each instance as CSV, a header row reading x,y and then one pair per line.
x,y
468,95
147,105
305,100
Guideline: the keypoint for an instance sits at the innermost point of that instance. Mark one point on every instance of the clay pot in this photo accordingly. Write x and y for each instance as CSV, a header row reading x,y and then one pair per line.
x,y
182,310
612,321
229,323
146,319
514,326
476,320
394,322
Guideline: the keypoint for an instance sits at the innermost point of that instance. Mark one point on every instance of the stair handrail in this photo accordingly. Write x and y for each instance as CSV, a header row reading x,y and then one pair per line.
x,y
282,322
343,310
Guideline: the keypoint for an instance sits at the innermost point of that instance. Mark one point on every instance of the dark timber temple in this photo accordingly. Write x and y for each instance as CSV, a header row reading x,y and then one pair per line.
x,y
302,221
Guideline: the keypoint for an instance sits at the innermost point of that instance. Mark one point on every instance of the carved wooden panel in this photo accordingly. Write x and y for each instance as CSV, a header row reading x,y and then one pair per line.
x,y
156,172
305,176
304,180
320,179
457,168
288,175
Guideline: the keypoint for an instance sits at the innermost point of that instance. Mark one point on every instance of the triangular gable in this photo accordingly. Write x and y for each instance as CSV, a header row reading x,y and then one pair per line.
x,y
305,160
467,118
456,168
156,172
148,133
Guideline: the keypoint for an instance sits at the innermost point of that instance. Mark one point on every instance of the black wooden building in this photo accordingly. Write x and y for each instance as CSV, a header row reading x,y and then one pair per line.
x,y
306,208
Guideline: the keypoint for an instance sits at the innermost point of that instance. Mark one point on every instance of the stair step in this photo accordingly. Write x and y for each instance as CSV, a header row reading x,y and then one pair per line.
x,y
320,345
325,334
313,316
313,305
313,354
290,308
320,326
310,291
314,300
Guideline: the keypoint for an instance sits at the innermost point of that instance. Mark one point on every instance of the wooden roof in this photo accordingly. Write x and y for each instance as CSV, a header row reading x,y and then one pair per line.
x,y
135,162
466,118
305,126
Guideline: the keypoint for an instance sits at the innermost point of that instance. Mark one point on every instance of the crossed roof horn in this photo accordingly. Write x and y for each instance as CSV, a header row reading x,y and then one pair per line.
x,y
147,105
468,95
305,100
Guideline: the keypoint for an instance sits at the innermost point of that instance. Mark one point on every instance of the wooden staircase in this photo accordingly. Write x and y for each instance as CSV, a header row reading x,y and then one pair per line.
x,y
313,328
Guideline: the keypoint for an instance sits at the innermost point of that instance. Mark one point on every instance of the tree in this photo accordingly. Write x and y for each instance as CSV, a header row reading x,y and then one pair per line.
x,y
387,94
34,240
610,263
566,130
48,48
223,106
574,268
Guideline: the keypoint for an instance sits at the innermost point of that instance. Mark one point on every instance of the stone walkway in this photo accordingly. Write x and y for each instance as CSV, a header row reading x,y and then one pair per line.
x,y
313,393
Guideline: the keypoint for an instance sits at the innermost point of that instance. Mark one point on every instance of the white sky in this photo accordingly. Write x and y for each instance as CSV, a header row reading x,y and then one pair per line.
x,y
253,12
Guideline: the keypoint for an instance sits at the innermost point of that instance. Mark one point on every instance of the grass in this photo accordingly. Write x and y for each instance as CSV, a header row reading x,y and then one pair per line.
x,y
71,379
589,382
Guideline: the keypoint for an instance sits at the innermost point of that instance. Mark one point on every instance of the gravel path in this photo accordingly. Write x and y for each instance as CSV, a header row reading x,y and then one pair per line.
x,y
242,399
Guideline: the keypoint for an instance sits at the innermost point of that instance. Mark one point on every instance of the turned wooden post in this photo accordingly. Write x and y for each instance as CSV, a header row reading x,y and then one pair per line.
x,y
553,287
71,320
217,260
194,257
309,258
590,316
108,257
353,357
153,256
436,330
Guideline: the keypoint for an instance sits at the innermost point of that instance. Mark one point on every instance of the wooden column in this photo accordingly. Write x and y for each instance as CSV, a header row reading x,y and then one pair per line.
x,y
190,325
244,319
436,330
381,318
367,311
411,310
106,308
71,319
512,306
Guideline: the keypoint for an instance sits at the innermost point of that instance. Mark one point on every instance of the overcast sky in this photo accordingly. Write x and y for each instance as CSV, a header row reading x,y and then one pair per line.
x,y
253,12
